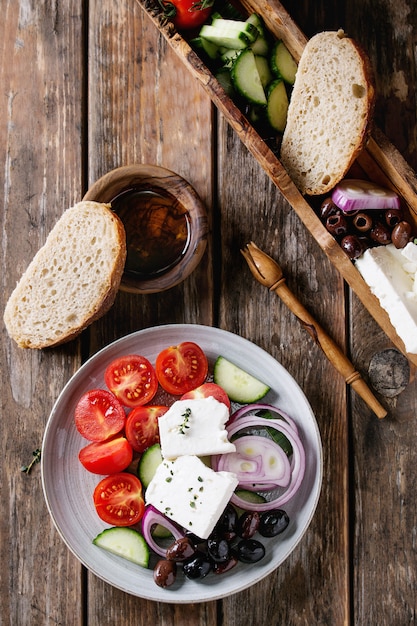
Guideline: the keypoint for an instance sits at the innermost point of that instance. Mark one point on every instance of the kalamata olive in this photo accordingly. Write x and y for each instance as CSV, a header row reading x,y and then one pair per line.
x,y
226,526
226,566
380,234
250,551
273,523
198,566
362,222
353,246
401,234
218,549
180,549
337,225
248,524
392,217
328,208
165,573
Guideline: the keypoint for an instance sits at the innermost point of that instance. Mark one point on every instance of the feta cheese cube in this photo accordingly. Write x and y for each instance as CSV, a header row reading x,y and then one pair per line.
x,y
195,426
190,493
383,270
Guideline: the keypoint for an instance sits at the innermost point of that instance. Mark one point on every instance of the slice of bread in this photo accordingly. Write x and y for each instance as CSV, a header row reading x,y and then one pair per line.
x,y
72,280
329,114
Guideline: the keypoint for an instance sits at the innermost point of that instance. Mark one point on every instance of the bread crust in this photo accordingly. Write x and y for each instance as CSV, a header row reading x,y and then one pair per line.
x,y
23,313
317,162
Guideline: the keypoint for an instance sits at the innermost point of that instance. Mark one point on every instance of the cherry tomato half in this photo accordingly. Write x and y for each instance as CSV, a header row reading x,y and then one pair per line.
x,y
132,379
186,14
107,457
208,389
181,368
118,499
99,415
142,426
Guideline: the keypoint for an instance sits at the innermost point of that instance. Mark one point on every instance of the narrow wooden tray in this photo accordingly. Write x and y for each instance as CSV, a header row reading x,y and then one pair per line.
x,y
379,161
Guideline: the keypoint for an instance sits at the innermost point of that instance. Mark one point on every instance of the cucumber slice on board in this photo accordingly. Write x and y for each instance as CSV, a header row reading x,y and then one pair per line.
x,y
148,463
282,63
125,542
239,385
246,79
277,106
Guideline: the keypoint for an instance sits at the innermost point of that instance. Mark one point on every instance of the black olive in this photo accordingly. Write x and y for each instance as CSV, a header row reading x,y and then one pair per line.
x,y
226,566
198,566
273,523
353,246
380,234
247,524
362,222
180,550
328,208
401,234
250,551
164,573
218,549
392,217
226,526
337,225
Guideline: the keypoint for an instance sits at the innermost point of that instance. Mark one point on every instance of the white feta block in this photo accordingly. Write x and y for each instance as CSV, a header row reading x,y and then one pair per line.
x,y
195,426
383,271
190,493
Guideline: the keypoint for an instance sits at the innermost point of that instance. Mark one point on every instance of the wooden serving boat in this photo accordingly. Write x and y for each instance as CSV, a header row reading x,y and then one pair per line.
x,y
379,161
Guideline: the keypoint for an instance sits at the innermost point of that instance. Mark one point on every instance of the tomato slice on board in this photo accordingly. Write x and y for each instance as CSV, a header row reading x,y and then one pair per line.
x,y
142,426
99,415
132,379
208,389
107,457
181,368
118,499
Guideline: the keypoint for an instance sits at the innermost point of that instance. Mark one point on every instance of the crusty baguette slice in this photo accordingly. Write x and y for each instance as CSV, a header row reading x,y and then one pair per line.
x,y
330,112
72,280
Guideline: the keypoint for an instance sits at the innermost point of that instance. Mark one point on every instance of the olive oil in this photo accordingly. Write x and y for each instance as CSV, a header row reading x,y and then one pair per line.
x,y
157,231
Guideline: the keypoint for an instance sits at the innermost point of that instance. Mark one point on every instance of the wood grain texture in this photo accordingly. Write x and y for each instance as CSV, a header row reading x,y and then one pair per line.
x,y
91,86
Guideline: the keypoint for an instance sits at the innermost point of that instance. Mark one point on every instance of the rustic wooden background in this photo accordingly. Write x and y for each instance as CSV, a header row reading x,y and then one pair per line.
x,y
88,86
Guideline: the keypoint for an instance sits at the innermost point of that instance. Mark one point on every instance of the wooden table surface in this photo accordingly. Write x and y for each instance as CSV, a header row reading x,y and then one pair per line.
x,y
88,86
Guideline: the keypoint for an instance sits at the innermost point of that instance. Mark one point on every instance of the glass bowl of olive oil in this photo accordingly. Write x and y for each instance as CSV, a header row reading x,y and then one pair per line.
x,y
165,223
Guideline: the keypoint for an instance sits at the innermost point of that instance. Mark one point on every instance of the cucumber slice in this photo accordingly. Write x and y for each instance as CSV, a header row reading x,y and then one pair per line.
x,y
282,63
125,542
239,385
227,39
148,463
264,71
249,496
224,78
277,106
260,45
246,79
249,30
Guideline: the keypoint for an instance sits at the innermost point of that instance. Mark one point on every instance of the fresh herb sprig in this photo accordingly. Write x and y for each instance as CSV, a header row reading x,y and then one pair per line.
x,y
186,418
36,459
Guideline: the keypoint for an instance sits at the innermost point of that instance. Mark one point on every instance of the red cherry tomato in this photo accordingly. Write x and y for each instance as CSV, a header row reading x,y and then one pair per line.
x,y
142,426
118,499
107,457
99,415
132,379
187,14
181,368
208,389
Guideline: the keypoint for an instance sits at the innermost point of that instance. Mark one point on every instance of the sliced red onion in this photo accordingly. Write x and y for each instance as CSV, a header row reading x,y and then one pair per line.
x,y
252,408
258,461
151,518
297,462
352,194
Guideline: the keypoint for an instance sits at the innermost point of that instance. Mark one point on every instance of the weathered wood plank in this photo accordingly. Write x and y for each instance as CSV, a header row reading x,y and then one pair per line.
x,y
40,172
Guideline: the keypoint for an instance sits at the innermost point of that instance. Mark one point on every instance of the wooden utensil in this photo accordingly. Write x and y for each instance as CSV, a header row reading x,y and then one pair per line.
x,y
268,273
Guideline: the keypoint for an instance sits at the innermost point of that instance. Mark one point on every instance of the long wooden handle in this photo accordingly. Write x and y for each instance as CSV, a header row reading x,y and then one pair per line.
x,y
332,351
